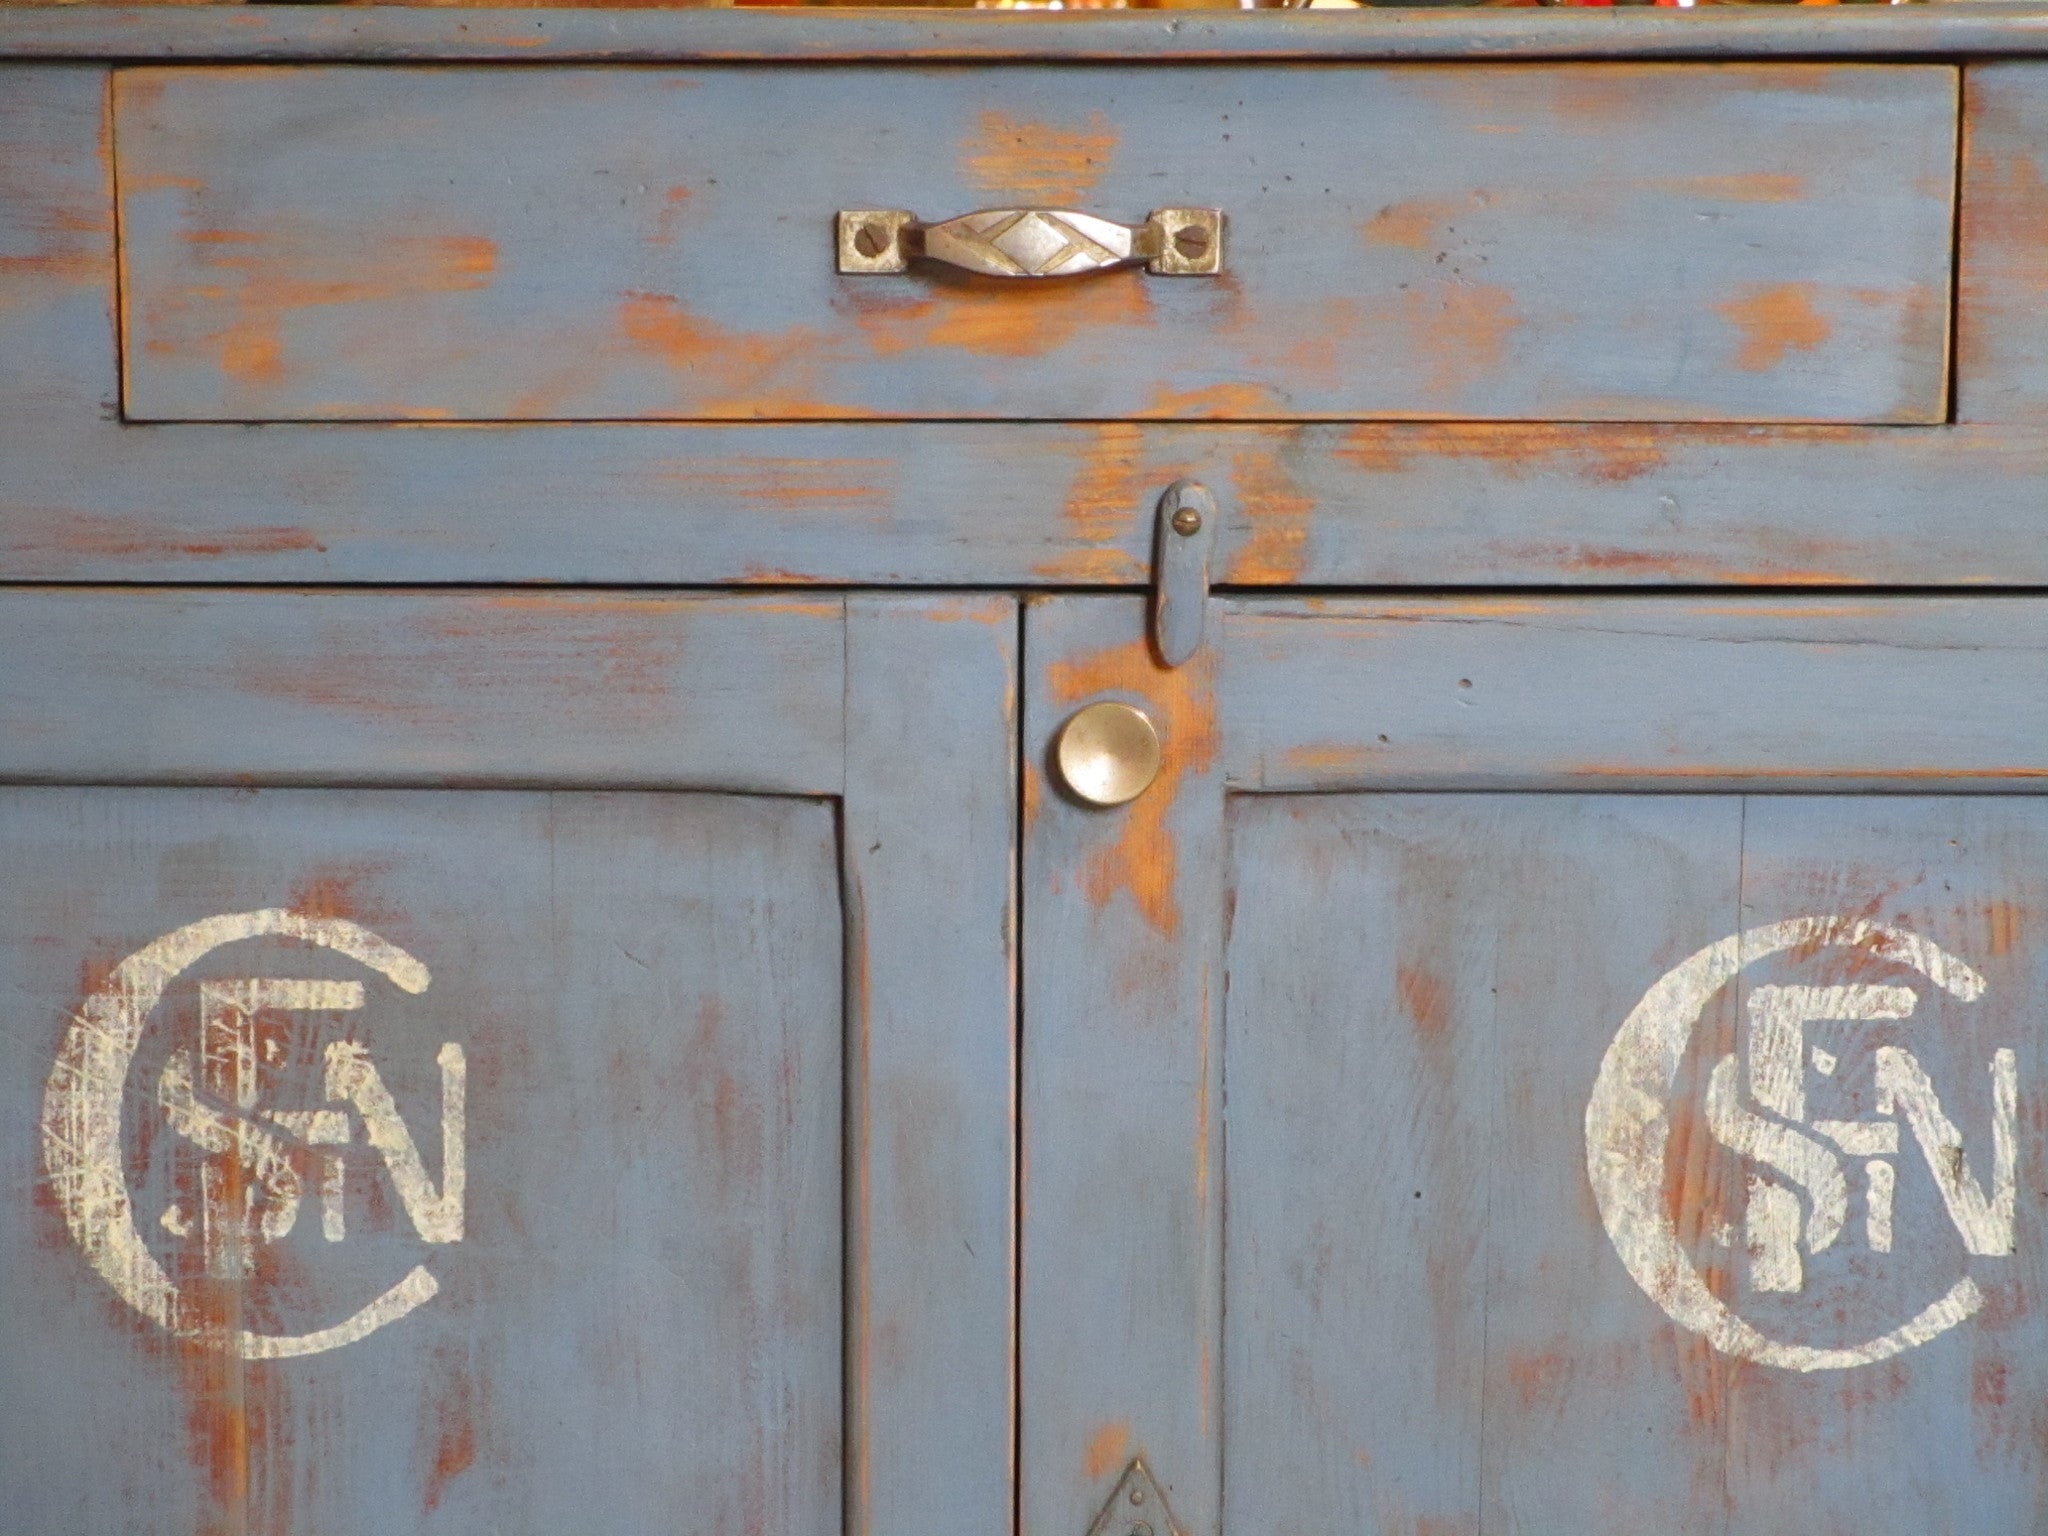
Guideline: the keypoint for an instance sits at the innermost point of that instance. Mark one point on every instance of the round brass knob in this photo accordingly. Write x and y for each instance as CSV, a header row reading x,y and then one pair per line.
x,y
1108,753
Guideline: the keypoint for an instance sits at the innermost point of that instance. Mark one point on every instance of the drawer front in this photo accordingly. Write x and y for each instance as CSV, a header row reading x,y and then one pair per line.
x,y
1591,242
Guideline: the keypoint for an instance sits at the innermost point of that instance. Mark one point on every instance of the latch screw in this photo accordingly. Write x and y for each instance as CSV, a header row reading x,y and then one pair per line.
x,y
1187,522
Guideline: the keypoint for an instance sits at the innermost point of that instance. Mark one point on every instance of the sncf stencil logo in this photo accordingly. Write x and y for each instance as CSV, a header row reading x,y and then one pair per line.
x,y
1807,1170
255,1158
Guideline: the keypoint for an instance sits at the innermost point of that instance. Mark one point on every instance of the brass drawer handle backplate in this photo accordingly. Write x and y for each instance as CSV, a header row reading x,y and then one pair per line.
x,y
1033,242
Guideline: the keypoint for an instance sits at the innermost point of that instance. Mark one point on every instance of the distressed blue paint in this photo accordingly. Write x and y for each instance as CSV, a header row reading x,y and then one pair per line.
x,y
930,851
1121,1217
642,1315
1579,243
577,912
1649,693
410,687
1427,1328
2001,346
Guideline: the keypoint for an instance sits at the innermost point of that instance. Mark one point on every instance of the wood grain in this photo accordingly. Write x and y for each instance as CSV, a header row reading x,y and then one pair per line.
x,y
1119,1328
930,875
422,688
1427,1328
2001,342
88,498
1642,693
1485,505
642,1315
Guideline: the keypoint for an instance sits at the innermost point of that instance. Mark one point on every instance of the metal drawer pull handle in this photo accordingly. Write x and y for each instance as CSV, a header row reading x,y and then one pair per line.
x,y
1033,242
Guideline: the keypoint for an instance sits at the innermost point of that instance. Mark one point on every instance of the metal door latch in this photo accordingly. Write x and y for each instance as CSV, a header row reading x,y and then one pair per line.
x,y
1137,1507
1183,537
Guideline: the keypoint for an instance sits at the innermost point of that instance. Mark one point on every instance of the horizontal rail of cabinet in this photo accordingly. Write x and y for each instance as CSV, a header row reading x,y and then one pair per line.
x,y
543,35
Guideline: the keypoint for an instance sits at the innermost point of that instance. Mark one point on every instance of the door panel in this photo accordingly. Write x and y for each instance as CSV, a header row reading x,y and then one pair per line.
x,y
386,1152
1427,1321
634,1302
1541,1157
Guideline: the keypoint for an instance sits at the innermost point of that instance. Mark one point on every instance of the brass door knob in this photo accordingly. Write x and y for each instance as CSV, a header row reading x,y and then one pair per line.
x,y
1108,753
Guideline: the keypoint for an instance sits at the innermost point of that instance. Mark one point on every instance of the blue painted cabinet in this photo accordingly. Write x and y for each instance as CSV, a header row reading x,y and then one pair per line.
x,y
559,970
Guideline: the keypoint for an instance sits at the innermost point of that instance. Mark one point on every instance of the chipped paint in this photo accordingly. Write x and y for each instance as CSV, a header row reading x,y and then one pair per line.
x,y
82,1119
998,317
1216,402
1595,454
1264,490
1628,1128
1104,513
245,287
1772,321
1034,162
1140,863
84,535
718,371
1461,330
1411,225
1108,1449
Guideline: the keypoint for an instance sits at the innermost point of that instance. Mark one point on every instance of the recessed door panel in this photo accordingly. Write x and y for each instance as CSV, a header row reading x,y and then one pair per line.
x,y
423,1160
1475,1279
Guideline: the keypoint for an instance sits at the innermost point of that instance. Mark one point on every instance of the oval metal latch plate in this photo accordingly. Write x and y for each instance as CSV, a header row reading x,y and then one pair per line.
x,y
1182,541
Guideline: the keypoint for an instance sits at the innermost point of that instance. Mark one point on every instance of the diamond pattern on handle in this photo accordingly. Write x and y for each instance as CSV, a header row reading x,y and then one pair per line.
x,y
1030,242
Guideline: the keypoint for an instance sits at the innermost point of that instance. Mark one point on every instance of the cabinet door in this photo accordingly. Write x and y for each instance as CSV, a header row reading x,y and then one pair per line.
x,y
505,1063
1540,1065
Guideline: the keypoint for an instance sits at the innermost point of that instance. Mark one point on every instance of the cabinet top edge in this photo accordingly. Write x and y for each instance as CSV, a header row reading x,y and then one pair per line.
x,y
433,34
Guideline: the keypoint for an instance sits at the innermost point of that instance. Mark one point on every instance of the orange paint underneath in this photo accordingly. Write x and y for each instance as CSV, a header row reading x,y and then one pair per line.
x,y
997,317
1140,863
1032,162
724,371
237,296
1108,1449
1423,999
1773,322
1411,225
1611,455
1114,482
1262,482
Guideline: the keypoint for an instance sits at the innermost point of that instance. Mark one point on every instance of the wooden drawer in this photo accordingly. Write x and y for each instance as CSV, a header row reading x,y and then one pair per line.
x,y
1586,242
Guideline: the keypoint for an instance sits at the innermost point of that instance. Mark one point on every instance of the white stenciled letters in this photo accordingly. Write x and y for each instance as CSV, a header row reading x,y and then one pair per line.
x,y
252,1188
1801,1172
